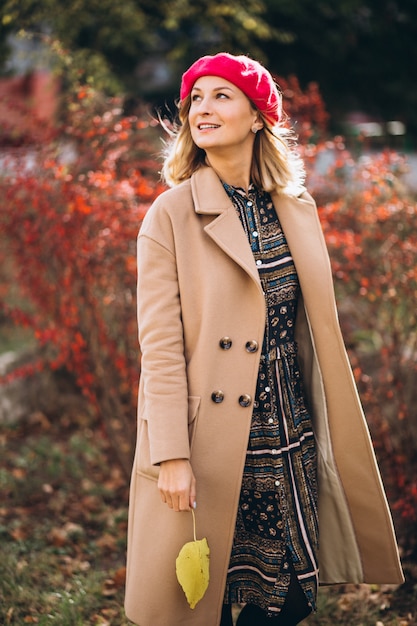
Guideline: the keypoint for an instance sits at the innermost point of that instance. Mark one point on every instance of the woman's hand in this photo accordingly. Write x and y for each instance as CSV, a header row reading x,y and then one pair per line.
x,y
177,485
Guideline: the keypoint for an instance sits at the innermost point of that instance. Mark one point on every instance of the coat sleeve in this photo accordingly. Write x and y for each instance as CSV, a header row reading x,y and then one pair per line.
x,y
163,397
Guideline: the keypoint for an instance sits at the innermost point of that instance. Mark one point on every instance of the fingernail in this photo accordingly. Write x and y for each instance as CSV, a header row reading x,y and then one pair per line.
x,y
194,505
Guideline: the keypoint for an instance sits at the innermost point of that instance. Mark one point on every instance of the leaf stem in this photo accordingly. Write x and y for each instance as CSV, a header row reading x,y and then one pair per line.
x,y
192,511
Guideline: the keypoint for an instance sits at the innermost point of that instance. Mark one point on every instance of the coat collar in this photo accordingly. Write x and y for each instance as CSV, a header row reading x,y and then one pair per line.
x,y
208,192
298,217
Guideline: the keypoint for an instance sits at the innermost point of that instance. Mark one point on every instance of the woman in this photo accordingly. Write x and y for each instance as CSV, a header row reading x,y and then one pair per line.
x,y
247,404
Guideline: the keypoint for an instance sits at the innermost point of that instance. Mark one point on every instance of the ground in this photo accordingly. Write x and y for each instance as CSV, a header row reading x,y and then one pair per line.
x,y
63,518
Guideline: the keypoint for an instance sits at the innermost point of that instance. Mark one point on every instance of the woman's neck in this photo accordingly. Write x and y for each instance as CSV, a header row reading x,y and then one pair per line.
x,y
235,172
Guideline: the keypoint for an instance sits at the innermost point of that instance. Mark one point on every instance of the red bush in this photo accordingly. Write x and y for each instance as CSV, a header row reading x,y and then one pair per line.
x,y
70,225
305,108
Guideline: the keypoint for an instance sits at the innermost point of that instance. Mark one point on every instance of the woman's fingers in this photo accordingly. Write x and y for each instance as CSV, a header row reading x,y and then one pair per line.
x,y
193,494
177,485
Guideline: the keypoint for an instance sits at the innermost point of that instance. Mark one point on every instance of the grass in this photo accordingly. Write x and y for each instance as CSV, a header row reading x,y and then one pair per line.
x,y
47,587
63,517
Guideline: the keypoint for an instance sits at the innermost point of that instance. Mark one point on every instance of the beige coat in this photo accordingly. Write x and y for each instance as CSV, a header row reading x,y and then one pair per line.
x,y
198,283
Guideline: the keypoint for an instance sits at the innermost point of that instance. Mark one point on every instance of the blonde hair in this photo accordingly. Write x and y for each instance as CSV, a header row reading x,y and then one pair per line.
x,y
276,164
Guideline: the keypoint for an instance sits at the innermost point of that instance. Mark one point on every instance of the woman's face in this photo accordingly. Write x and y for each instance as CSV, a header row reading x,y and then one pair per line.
x,y
221,117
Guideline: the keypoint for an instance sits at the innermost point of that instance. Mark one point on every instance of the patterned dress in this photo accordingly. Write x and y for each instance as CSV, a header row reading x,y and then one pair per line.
x,y
277,523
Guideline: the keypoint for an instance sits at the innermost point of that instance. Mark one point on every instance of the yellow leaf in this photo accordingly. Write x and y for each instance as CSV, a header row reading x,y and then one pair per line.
x,y
192,567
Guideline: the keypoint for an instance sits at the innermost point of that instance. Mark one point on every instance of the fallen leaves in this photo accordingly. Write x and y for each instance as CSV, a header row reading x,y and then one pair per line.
x,y
112,585
62,526
64,535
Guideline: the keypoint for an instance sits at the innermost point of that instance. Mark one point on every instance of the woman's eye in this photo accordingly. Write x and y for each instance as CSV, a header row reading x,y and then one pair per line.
x,y
221,95
195,97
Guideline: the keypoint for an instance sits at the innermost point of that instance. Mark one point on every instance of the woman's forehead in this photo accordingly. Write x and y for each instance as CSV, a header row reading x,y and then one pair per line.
x,y
214,82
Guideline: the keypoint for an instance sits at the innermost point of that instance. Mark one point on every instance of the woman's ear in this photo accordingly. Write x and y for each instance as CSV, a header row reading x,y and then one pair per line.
x,y
257,125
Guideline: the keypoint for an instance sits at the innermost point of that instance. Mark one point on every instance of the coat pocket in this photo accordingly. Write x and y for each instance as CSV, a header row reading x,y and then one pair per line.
x,y
193,407
144,466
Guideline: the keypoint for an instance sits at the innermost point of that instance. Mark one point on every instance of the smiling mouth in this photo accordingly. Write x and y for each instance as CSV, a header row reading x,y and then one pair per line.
x,y
207,126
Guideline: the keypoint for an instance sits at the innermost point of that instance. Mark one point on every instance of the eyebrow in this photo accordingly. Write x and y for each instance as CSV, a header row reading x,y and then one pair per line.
x,y
215,89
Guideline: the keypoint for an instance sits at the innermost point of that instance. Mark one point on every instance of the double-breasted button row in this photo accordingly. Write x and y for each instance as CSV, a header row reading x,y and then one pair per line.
x,y
226,343
250,346
244,400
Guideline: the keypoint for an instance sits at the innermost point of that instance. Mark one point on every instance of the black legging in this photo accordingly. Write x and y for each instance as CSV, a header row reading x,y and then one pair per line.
x,y
293,612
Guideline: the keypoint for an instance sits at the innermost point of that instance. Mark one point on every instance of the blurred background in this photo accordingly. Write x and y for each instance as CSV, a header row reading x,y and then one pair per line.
x,y
361,53
81,87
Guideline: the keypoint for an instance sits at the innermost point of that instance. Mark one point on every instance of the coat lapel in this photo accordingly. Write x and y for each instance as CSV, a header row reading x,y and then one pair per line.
x,y
300,223
225,229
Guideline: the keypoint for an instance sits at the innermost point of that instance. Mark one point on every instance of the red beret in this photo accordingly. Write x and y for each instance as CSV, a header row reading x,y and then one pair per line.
x,y
248,75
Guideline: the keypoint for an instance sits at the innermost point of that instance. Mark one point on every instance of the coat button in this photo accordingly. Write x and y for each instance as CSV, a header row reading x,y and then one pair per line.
x,y
225,343
217,396
251,346
245,400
